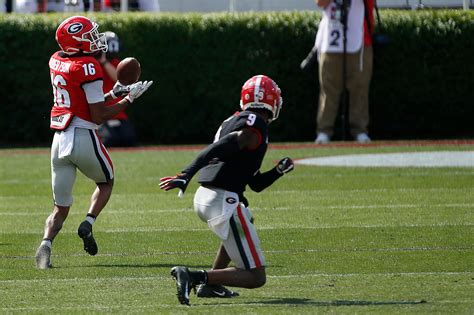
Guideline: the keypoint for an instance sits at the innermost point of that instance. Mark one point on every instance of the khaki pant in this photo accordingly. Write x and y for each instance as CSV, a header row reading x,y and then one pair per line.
x,y
358,83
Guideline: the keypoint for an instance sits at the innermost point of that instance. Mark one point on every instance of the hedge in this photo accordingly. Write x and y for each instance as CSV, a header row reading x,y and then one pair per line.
x,y
422,85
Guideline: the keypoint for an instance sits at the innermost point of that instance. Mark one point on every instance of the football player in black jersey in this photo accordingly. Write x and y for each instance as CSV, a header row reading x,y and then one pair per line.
x,y
227,166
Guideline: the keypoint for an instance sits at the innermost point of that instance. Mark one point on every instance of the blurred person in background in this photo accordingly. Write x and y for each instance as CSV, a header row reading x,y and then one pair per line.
x,y
133,5
118,131
39,6
359,60
55,6
26,6
74,5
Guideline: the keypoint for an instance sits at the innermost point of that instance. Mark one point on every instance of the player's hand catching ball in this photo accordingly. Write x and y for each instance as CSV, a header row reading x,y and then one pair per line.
x,y
119,90
285,165
137,89
180,181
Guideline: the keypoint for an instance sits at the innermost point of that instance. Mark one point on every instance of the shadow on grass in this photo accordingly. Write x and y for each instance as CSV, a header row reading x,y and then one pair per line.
x,y
298,301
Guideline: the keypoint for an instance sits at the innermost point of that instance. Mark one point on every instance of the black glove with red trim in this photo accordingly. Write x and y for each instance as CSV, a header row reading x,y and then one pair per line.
x,y
180,181
285,165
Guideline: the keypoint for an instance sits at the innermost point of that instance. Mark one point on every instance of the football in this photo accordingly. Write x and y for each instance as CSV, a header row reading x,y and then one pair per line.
x,y
128,71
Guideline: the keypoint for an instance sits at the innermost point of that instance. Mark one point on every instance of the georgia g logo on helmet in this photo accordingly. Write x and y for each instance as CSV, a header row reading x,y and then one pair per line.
x,y
75,28
79,34
261,91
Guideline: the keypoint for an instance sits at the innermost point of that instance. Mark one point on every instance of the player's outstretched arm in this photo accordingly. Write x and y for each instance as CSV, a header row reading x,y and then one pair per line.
x,y
226,147
179,181
131,92
260,181
101,113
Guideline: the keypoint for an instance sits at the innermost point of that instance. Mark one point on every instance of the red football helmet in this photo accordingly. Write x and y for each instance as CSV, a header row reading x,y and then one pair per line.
x,y
79,34
261,91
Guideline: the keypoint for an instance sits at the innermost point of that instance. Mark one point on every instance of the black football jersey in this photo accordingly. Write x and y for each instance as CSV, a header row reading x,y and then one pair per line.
x,y
234,173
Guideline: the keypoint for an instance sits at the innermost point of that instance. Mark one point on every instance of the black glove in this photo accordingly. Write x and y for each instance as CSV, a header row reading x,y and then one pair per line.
x,y
119,90
180,181
285,165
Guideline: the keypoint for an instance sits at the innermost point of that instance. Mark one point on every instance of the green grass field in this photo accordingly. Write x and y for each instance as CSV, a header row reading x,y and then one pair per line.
x,y
336,239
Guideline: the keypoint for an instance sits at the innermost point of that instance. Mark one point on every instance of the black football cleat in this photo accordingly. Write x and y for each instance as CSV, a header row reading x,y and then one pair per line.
x,y
184,284
215,291
85,232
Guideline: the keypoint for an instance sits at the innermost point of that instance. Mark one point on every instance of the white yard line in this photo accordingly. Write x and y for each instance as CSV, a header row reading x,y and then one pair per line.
x,y
261,228
147,211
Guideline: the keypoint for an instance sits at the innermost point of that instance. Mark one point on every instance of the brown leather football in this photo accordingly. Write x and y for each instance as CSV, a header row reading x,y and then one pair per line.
x,y
128,71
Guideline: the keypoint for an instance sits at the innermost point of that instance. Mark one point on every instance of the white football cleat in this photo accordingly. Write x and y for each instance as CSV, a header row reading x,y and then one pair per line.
x,y
322,138
363,138
43,254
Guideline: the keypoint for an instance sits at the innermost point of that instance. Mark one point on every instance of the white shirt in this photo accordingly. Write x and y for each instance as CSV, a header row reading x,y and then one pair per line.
x,y
26,6
330,31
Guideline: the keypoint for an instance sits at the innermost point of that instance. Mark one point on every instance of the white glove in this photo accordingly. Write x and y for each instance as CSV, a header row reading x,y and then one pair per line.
x,y
119,90
137,89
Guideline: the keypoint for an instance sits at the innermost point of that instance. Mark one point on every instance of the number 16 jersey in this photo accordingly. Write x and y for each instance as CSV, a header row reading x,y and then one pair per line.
x,y
68,76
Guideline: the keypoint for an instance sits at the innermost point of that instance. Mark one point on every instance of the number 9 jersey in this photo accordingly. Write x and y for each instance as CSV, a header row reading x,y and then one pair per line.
x,y
236,172
69,76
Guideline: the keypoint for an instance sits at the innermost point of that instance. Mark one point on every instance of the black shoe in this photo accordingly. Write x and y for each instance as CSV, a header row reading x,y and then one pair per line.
x,y
215,291
85,232
184,284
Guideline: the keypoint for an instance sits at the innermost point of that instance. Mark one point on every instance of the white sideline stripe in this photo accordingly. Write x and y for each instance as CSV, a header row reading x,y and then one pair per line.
x,y
341,275
391,206
407,159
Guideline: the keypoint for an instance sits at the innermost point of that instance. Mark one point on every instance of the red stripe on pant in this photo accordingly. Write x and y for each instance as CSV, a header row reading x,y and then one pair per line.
x,y
104,151
248,237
